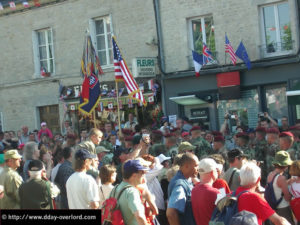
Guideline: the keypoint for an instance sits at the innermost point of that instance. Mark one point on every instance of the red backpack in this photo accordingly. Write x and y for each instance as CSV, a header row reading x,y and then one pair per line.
x,y
111,213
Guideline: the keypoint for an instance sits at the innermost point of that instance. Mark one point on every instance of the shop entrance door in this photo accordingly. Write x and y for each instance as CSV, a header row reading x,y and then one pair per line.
x,y
50,115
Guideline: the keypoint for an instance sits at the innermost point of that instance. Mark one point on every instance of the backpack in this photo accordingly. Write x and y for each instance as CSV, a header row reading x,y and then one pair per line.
x,y
111,213
226,208
270,195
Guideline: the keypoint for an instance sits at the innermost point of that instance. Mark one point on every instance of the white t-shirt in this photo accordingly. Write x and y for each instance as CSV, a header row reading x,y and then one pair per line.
x,y
104,193
82,189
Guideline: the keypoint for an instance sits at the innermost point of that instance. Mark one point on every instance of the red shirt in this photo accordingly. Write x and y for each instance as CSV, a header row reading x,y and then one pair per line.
x,y
203,202
254,203
220,183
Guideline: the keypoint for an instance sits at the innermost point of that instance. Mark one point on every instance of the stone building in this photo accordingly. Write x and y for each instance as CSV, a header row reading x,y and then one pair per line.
x,y
48,39
269,31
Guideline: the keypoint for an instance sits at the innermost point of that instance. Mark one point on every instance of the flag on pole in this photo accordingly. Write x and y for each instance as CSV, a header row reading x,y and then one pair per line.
x,y
229,50
101,107
150,84
1,6
12,5
130,104
122,73
198,62
25,4
43,71
207,54
151,99
241,52
90,68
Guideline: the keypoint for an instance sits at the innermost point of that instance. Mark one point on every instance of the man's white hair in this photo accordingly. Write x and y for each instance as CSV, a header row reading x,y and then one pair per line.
x,y
249,173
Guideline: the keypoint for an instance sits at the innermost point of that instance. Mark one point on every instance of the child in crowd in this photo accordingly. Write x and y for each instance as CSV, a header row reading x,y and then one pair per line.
x,y
294,188
108,177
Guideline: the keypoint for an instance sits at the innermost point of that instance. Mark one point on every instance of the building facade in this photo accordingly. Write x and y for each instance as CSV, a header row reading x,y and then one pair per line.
x,y
42,47
269,31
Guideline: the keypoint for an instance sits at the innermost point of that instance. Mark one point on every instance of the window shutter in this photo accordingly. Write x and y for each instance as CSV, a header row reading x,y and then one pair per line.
x,y
93,32
36,55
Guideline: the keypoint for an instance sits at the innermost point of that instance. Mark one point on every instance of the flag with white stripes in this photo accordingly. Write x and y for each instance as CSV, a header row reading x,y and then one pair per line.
x,y
122,73
229,49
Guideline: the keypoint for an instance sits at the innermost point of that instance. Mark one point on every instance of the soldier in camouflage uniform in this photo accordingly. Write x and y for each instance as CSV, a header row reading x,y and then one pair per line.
x,y
103,157
261,147
203,147
219,148
186,147
273,147
286,141
242,143
295,130
171,145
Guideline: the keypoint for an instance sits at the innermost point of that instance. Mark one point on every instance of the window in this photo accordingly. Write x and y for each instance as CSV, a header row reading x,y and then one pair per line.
x,y
43,51
277,35
101,32
276,101
203,32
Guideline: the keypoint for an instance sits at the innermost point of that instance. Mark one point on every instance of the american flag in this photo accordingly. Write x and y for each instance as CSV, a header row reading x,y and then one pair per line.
x,y
229,49
122,73
207,55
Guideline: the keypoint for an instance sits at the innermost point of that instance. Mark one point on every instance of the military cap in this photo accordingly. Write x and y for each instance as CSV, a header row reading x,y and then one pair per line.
x,y
100,149
185,146
273,131
130,138
219,139
126,131
260,129
286,134
242,135
158,132
195,128
12,154
217,133
185,134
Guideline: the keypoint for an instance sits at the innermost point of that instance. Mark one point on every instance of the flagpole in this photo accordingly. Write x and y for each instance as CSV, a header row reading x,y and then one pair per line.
x,y
225,50
118,108
94,115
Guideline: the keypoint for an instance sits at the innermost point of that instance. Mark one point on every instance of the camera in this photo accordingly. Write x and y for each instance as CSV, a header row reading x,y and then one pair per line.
x,y
229,116
261,115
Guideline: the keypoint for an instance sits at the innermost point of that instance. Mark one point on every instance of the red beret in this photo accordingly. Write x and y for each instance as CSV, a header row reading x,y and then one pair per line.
x,y
185,134
219,139
157,132
195,128
260,129
126,131
169,135
175,129
242,134
217,133
272,131
130,138
286,134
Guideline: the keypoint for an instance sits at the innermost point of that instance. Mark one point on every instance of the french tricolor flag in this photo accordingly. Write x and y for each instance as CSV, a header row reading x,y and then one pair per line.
x,y
198,62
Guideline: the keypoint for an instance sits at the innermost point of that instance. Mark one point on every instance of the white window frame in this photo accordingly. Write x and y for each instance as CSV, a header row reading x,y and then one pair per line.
x,y
92,24
37,59
2,122
263,32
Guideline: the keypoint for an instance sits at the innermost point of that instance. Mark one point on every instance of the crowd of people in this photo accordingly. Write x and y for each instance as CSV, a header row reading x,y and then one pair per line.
x,y
171,175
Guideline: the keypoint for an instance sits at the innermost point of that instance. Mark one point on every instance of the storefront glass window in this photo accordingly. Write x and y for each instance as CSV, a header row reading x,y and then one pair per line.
x,y
276,102
246,108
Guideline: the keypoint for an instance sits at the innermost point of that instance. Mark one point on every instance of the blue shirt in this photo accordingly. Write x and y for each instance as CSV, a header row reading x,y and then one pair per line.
x,y
177,193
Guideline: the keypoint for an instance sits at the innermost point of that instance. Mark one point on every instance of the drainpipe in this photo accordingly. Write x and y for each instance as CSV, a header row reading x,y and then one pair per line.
x,y
161,60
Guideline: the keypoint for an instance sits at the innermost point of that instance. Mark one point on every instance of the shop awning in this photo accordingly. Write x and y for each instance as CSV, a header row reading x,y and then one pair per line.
x,y
293,97
188,100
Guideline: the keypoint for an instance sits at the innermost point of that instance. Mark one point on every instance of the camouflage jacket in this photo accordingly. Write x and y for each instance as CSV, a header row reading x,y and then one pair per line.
x,y
203,147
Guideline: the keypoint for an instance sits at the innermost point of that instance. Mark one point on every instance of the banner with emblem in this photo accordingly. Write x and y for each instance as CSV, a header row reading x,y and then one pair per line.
x,y
110,106
90,68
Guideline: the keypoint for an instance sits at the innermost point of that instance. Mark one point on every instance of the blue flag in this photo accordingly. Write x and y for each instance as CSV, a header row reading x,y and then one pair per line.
x,y
243,55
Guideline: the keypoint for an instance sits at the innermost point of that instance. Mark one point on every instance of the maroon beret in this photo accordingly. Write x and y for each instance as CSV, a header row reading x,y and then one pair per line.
x,y
169,135
242,134
126,131
273,131
217,133
260,129
130,138
174,129
219,139
158,132
195,128
286,134
185,134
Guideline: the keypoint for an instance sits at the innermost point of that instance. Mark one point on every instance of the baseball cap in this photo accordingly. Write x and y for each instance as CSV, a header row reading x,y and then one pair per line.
x,y
162,158
100,149
43,124
12,154
286,134
133,166
185,134
207,165
35,165
83,154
